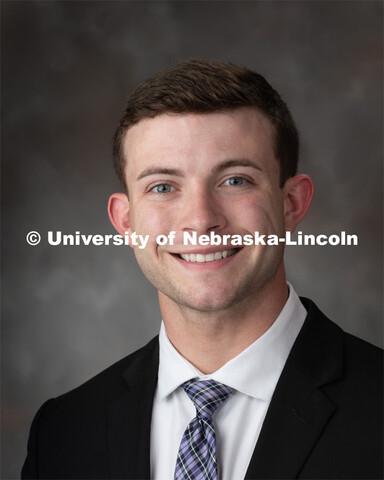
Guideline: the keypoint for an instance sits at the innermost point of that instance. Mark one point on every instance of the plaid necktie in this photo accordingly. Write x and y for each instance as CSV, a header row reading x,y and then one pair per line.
x,y
196,459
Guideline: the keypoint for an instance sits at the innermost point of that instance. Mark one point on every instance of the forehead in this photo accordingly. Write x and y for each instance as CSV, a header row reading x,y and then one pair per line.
x,y
200,138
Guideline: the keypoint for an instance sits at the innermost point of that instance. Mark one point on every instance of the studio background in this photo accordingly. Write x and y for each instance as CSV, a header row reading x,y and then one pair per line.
x,y
67,68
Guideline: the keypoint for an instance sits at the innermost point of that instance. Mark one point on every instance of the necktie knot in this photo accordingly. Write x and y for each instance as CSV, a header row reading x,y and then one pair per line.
x,y
206,395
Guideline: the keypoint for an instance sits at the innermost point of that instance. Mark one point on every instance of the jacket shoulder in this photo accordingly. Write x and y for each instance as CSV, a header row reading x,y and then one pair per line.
x,y
348,371
320,334
68,436
98,391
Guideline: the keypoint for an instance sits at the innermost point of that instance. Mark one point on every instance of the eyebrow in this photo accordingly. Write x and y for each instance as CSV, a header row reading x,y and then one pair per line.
x,y
159,171
240,162
237,162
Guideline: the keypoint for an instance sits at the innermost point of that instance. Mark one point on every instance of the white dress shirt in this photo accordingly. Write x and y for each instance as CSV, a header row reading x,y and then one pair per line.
x,y
253,374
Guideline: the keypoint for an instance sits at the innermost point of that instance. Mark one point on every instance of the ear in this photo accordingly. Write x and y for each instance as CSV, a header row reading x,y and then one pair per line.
x,y
298,194
118,211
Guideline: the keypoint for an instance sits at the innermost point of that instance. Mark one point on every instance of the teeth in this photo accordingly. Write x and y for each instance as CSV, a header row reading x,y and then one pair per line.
x,y
210,257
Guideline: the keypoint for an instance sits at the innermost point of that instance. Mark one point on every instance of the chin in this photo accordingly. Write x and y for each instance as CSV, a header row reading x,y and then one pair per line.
x,y
207,303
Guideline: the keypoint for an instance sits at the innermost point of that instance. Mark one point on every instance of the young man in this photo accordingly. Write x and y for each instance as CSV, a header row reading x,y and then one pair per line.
x,y
245,379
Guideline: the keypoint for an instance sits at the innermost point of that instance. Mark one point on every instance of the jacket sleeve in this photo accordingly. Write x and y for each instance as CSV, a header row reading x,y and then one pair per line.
x,y
30,468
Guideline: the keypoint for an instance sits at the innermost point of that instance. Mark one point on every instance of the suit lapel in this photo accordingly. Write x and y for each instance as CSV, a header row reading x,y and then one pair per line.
x,y
297,414
299,411
129,417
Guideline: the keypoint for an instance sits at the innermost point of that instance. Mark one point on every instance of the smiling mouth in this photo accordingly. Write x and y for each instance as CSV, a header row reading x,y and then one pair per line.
x,y
210,257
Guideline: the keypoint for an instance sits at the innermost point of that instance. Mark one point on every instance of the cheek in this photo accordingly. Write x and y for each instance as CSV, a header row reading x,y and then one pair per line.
x,y
258,213
150,220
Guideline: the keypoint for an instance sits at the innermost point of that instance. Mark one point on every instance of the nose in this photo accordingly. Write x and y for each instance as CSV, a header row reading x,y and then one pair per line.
x,y
202,213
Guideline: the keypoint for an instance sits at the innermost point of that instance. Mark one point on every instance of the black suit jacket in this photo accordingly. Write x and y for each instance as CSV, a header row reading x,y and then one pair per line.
x,y
324,421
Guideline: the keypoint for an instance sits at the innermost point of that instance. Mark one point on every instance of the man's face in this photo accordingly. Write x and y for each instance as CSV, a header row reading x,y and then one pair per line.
x,y
205,173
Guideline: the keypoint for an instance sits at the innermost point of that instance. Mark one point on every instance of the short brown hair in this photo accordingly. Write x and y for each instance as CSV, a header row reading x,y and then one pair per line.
x,y
207,86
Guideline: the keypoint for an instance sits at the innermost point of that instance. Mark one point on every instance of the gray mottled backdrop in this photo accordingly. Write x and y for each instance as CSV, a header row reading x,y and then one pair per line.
x,y
67,68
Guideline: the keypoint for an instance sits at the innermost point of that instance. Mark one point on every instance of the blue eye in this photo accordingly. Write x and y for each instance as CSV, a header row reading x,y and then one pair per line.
x,y
235,181
162,188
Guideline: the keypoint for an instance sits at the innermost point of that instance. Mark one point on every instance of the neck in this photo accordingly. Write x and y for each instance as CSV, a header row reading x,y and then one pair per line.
x,y
208,340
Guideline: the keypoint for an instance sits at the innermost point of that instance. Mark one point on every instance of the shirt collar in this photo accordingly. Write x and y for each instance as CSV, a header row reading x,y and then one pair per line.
x,y
254,372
